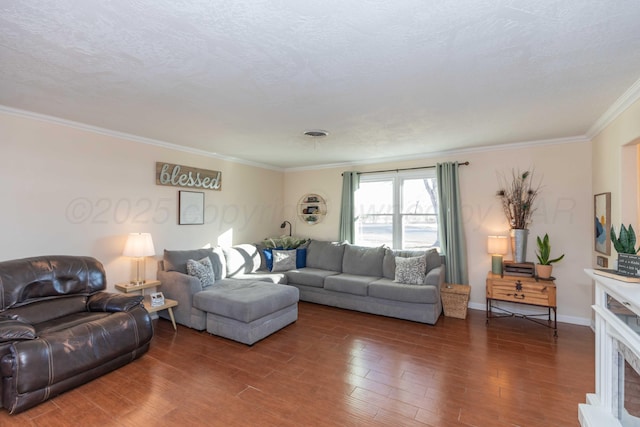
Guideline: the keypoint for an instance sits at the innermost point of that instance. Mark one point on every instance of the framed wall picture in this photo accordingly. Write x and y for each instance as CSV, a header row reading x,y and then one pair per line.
x,y
602,209
190,208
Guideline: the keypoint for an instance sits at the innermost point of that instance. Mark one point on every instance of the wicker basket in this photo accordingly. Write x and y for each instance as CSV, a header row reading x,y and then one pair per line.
x,y
455,299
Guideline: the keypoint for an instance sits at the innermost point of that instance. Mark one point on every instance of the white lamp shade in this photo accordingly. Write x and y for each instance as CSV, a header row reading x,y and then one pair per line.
x,y
498,245
139,245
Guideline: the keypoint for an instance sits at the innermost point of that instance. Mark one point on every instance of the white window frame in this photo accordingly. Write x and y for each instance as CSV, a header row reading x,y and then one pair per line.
x,y
397,179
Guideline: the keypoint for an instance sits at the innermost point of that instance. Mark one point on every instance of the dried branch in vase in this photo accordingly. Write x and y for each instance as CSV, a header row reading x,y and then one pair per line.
x,y
518,195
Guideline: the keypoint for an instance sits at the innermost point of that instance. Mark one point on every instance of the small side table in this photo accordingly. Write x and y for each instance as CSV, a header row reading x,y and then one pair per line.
x,y
168,303
455,299
526,291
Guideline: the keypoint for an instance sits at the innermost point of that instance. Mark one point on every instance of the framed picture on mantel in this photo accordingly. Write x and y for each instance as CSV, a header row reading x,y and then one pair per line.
x,y
602,210
191,208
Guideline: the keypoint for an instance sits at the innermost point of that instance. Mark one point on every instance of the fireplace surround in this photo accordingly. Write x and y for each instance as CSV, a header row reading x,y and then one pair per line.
x,y
616,401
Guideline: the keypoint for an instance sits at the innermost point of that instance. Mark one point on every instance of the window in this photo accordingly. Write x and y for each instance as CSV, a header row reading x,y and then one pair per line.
x,y
398,210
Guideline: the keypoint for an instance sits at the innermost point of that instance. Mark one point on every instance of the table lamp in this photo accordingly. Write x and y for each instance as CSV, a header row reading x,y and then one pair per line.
x,y
497,246
139,246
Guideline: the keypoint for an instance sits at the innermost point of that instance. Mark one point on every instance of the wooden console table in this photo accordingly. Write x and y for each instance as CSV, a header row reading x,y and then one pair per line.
x,y
522,290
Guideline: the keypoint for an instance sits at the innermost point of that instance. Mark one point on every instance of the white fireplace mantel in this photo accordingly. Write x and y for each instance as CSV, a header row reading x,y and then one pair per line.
x,y
602,407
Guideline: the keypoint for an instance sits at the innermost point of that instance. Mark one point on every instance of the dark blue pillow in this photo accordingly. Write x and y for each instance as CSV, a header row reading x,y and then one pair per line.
x,y
301,258
268,257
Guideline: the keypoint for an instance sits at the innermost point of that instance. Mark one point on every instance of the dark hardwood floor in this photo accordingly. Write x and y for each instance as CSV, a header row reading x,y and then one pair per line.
x,y
337,367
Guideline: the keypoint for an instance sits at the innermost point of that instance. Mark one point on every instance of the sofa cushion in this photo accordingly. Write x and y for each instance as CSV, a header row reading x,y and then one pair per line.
x,y
309,276
264,276
387,289
177,260
411,270
66,322
245,300
26,280
284,260
42,311
433,259
325,255
240,259
361,260
349,283
202,269
389,262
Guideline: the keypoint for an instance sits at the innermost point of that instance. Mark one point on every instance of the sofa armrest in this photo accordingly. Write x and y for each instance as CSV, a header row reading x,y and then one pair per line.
x,y
12,330
111,302
181,287
435,277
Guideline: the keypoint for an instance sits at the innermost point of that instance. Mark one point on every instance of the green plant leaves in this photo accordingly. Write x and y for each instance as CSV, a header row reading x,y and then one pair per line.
x,y
544,251
625,243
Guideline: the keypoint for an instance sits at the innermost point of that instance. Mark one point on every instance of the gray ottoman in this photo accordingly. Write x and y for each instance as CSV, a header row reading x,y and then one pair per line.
x,y
246,310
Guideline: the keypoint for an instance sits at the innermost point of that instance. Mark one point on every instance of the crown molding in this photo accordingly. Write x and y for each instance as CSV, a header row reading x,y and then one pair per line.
x,y
129,137
448,153
630,96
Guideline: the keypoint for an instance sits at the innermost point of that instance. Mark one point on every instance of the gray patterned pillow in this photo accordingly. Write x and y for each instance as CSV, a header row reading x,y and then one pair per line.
x,y
411,270
284,260
202,269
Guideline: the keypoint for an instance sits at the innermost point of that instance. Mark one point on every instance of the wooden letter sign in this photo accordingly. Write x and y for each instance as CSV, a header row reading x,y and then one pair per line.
x,y
185,176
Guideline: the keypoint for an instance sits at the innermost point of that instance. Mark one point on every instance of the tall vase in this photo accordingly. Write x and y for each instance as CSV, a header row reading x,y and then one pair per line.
x,y
519,244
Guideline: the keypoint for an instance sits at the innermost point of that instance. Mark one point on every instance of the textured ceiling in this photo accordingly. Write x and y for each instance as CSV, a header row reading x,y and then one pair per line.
x,y
386,78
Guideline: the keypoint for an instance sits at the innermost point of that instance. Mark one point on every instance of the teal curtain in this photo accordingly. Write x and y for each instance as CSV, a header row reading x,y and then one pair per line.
x,y
350,183
452,241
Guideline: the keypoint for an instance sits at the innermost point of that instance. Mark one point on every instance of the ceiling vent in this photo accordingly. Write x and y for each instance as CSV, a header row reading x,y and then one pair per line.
x,y
316,133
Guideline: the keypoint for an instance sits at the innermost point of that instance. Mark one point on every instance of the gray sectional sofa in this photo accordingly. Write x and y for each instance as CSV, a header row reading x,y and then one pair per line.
x,y
246,302
362,278
238,305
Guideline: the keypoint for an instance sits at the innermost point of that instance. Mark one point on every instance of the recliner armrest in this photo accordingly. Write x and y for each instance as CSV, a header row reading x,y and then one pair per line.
x,y
12,330
112,302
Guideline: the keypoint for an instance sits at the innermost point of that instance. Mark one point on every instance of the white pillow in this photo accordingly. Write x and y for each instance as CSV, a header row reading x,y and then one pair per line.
x,y
411,271
284,260
202,269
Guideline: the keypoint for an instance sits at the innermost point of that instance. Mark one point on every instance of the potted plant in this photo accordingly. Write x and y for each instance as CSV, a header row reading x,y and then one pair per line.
x,y
518,195
544,266
625,243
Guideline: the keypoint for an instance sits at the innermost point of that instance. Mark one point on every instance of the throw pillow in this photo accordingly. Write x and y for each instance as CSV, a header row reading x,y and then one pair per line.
x,y
268,257
301,257
411,270
284,260
202,269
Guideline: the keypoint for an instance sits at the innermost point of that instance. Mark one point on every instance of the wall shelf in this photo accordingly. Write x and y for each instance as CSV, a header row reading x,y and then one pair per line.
x,y
312,208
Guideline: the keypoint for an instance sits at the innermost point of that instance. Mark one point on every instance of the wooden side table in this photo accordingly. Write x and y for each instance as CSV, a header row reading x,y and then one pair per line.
x,y
522,290
168,303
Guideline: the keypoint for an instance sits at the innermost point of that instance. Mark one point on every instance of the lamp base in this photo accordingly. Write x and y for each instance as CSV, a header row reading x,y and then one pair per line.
x,y
496,264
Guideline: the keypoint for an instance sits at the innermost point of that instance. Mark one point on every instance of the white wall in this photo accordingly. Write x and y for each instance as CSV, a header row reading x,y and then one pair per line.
x,y
77,192
564,211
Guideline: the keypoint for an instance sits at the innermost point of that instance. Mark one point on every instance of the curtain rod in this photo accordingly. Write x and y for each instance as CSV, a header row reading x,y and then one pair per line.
x,y
408,169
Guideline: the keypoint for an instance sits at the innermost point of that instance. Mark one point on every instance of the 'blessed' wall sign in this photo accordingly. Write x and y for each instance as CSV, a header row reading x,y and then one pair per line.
x,y
185,176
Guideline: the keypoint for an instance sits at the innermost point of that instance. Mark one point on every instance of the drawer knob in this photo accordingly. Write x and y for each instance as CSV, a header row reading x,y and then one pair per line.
x,y
518,285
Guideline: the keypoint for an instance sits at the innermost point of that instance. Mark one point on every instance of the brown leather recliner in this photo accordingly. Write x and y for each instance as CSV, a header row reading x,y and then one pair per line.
x,y
58,329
